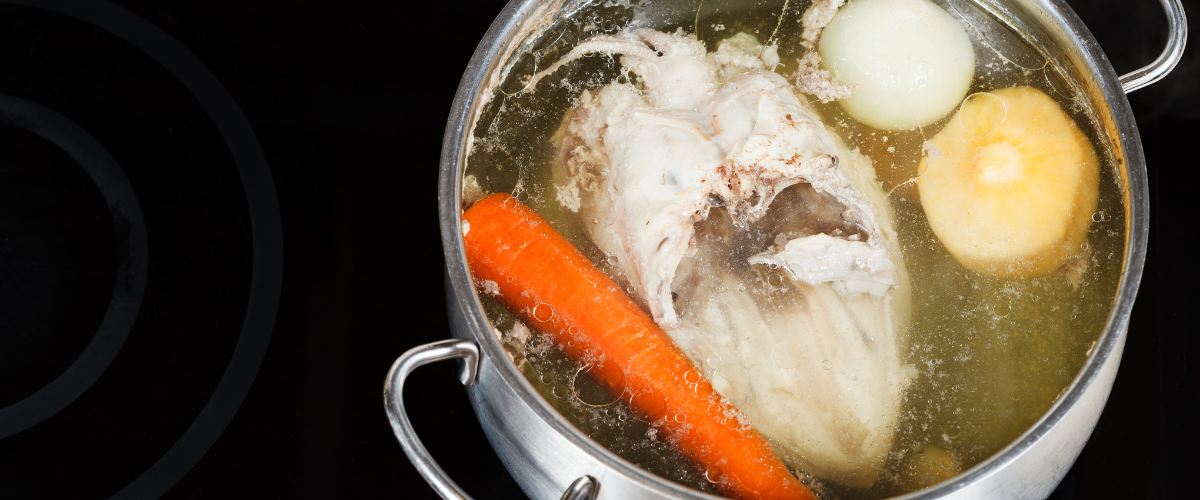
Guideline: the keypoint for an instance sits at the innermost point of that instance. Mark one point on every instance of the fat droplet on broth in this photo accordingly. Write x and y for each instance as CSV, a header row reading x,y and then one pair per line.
x,y
713,362
775,280
827,364
731,423
588,392
951,431
731,381
713,474
787,355
543,312
638,414
985,112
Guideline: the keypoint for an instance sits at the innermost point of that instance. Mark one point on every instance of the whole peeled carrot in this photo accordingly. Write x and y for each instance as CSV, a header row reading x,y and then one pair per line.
x,y
553,288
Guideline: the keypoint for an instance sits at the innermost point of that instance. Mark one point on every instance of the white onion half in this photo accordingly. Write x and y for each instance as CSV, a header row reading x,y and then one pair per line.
x,y
912,63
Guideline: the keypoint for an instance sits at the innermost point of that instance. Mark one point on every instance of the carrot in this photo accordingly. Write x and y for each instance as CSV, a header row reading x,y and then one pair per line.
x,y
552,287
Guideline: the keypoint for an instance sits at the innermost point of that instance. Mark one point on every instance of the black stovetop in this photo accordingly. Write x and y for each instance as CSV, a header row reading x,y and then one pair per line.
x,y
207,308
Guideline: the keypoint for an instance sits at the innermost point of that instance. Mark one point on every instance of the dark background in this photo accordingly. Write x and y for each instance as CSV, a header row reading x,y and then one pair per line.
x,y
349,102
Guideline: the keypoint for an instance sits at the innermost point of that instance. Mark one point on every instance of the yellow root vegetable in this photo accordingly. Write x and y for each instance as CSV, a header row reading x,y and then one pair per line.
x,y
1010,184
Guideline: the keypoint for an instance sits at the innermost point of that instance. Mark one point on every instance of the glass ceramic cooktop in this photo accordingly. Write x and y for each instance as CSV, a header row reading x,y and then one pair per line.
x,y
218,230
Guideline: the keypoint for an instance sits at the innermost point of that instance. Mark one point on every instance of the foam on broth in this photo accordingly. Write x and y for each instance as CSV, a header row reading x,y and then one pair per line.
x,y
992,354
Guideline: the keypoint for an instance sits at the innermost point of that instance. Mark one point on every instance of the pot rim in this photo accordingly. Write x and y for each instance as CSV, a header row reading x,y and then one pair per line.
x,y
469,96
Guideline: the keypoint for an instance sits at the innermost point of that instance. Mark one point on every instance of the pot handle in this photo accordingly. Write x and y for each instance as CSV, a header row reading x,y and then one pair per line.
x,y
584,488
1176,40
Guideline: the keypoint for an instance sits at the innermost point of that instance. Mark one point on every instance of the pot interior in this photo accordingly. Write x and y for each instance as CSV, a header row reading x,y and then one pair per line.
x,y
1003,363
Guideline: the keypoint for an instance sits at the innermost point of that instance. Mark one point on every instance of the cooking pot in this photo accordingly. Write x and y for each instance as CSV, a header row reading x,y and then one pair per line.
x,y
547,456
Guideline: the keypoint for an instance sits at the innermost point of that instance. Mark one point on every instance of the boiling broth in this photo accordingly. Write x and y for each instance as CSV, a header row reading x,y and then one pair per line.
x,y
992,354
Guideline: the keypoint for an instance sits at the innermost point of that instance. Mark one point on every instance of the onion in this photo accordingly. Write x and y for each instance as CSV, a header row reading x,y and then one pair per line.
x,y
912,63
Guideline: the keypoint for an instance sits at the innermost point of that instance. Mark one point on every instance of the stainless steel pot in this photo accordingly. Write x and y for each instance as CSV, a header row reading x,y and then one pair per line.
x,y
547,455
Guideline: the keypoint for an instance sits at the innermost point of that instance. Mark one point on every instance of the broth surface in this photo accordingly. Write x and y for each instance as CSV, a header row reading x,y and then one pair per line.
x,y
992,354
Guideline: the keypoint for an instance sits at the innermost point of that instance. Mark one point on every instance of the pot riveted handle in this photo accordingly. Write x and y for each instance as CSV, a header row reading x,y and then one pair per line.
x,y
584,488
1176,40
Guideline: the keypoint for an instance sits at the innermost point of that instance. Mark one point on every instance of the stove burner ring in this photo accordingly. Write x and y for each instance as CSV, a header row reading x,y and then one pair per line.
x,y
130,283
266,229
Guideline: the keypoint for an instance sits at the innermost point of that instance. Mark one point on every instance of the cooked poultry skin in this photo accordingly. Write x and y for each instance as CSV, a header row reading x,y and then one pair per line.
x,y
754,237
